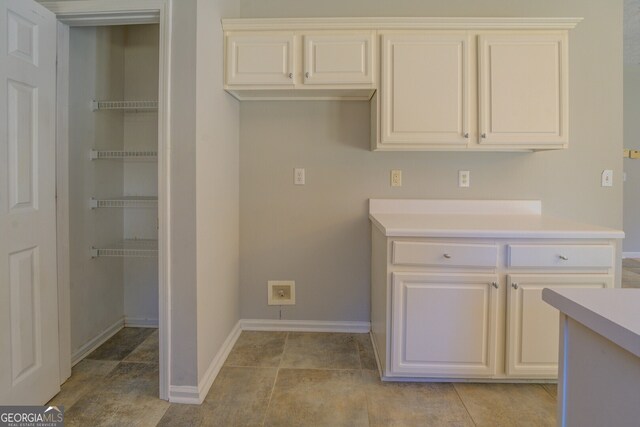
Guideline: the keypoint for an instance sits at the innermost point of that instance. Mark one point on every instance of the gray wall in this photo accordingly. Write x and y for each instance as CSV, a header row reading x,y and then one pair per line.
x,y
96,66
319,234
632,167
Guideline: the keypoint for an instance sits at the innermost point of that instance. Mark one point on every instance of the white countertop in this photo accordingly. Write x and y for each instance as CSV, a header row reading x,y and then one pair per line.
x,y
612,313
477,218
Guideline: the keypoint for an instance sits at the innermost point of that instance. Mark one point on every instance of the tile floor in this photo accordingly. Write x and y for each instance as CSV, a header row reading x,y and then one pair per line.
x,y
287,379
293,379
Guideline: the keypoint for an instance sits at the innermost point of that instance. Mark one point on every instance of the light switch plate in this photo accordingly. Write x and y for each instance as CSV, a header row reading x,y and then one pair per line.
x,y
298,176
607,178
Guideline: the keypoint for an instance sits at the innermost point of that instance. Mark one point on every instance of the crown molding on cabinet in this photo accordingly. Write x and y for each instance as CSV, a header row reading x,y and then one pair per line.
x,y
409,23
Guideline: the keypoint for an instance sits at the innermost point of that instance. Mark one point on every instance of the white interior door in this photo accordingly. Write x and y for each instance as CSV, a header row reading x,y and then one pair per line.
x,y
29,368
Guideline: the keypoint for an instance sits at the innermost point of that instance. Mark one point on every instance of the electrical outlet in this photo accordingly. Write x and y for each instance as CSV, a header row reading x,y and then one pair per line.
x,y
464,178
396,178
607,178
298,176
281,292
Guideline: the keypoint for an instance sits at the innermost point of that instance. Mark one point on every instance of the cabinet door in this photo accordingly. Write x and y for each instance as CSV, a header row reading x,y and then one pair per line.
x,y
259,59
338,59
424,98
443,325
523,89
532,324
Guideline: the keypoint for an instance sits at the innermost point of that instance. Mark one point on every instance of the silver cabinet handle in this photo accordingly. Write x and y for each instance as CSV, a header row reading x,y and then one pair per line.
x,y
564,258
290,75
494,284
514,285
447,256
466,135
306,74
484,135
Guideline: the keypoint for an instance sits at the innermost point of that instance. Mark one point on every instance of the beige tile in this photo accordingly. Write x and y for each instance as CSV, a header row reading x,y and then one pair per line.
x,y
257,349
310,397
630,278
147,352
365,350
128,396
121,344
413,404
631,263
238,397
181,415
552,389
321,351
86,375
508,404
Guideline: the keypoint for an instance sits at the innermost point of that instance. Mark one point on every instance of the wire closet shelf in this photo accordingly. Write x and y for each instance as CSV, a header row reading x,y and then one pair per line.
x,y
128,248
125,105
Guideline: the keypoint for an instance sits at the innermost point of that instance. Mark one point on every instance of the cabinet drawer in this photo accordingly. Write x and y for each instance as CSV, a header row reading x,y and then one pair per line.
x,y
444,254
585,256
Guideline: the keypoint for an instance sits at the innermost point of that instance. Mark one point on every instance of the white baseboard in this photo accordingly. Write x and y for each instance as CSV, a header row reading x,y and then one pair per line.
x,y
304,326
96,342
196,395
140,322
630,254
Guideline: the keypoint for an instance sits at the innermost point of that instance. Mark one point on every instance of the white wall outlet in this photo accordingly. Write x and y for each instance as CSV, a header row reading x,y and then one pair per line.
x,y
464,178
298,176
396,178
281,292
607,178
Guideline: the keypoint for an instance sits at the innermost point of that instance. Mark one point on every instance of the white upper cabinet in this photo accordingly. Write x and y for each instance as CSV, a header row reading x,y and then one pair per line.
x,y
523,89
425,89
300,65
338,58
450,84
260,59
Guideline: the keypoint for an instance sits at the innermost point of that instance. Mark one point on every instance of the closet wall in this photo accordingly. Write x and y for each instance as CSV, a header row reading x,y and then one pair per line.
x,y
111,63
141,178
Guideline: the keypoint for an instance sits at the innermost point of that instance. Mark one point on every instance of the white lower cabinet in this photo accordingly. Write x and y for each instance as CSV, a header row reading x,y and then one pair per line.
x,y
471,308
431,309
533,325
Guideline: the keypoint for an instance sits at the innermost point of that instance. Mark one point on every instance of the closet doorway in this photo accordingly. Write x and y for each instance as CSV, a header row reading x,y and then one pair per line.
x,y
112,175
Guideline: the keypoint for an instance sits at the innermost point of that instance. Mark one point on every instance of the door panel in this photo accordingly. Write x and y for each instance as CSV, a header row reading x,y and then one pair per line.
x,y
338,59
443,325
29,368
259,59
532,326
424,89
523,89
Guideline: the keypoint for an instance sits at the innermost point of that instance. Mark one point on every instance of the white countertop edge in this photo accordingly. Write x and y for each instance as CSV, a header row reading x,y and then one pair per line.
x,y
455,207
501,233
616,333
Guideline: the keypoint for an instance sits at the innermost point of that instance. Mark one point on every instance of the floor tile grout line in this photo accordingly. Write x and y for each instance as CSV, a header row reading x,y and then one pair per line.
x,y
366,395
544,386
275,380
464,405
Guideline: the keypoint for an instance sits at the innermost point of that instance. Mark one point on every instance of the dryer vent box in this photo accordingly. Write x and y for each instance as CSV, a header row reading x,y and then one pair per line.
x,y
281,292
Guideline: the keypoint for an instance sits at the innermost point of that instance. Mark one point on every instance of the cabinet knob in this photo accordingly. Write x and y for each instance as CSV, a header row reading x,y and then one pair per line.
x,y
564,258
466,135
494,284
447,256
514,285
306,74
290,75
483,136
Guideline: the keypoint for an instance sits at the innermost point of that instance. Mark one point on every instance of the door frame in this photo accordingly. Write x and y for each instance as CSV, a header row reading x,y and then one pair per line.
x,y
99,13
